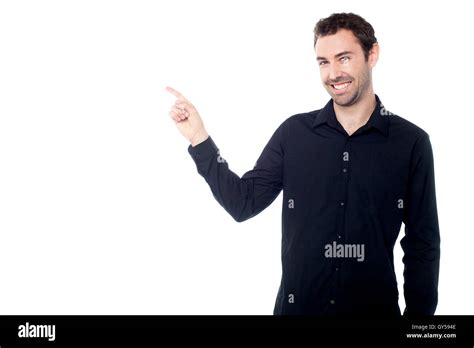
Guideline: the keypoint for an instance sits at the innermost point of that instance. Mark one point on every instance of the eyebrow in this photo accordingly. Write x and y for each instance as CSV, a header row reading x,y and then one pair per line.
x,y
343,53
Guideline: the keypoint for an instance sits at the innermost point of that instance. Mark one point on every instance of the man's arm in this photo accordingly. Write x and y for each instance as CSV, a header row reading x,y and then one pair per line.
x,y
243,197
421,243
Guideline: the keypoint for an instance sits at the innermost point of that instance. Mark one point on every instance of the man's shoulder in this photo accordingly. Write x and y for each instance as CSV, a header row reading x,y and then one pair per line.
x,y
401,125
303,118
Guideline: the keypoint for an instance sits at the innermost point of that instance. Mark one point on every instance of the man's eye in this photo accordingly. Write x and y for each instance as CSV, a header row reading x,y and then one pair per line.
x,y
344,59
322,63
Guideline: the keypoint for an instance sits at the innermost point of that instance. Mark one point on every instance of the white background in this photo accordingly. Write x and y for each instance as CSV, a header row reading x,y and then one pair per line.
x,y
101,207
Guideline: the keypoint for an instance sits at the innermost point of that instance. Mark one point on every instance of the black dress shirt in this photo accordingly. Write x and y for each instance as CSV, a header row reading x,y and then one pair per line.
x,y
344,199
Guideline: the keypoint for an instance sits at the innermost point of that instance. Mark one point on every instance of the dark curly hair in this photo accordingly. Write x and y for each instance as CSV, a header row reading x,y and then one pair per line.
x,y
350,21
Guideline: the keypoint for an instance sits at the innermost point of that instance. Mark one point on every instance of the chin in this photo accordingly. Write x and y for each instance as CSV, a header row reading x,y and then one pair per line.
x,y
344,100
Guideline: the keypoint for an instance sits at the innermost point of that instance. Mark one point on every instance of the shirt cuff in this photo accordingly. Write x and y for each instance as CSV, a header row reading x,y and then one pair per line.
x,y
203,151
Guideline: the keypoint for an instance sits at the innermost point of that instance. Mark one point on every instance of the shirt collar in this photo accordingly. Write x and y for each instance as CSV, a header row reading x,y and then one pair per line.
x,y
377,120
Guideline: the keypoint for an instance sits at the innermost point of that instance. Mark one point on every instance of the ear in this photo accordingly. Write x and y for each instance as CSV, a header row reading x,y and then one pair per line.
x,y
374,55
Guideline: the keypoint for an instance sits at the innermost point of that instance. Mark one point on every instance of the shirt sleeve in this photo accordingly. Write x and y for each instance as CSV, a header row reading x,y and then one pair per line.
x,y
421,243
246,196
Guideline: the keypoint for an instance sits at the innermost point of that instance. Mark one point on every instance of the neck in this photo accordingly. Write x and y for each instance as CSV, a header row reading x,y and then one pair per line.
x,y
355,116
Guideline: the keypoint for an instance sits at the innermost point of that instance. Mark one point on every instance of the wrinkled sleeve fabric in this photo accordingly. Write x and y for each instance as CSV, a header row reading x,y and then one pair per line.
x,y
421,243
246,196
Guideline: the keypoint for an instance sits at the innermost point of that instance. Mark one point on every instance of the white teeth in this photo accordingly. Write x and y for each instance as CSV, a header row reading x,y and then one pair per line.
x,y
339,87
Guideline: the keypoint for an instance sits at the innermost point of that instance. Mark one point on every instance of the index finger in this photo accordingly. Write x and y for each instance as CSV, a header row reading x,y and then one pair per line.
x,y
175,93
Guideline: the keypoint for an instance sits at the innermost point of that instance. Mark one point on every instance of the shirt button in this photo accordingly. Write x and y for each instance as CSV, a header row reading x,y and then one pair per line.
x,y
339,236
337,268
332,302
342,203
344,170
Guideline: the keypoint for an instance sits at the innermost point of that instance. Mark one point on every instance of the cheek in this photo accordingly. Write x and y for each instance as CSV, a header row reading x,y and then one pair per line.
x,y
323,73
364,73
322,76
352,70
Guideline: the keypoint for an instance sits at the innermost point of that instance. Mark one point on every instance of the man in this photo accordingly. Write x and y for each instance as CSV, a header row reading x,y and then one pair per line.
x,y
350,172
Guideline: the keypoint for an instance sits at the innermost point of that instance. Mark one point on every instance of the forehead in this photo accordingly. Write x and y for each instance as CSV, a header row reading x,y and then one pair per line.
x,y
343,40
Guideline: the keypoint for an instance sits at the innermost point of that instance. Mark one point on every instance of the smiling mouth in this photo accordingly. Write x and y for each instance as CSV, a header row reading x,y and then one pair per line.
x,y
341,86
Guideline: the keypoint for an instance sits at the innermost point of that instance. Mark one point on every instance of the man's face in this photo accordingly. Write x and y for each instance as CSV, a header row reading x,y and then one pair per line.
x,y
345,73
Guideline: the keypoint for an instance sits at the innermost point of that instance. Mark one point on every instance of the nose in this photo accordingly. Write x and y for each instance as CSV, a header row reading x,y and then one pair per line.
x,y
334,72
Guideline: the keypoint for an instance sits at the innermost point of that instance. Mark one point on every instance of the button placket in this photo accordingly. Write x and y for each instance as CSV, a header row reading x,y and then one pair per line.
x,y
342,204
